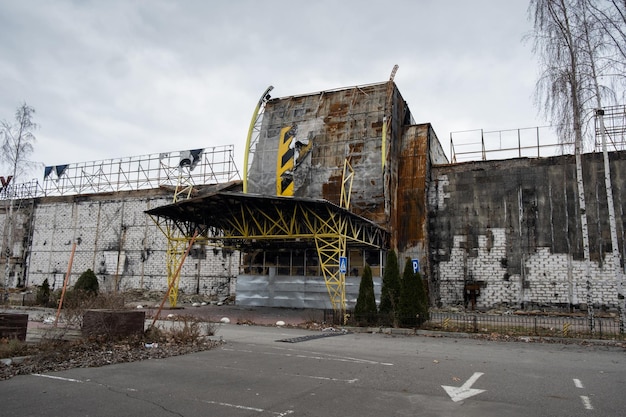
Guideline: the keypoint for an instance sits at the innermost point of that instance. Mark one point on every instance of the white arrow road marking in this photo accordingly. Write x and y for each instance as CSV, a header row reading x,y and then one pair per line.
x,y
464,391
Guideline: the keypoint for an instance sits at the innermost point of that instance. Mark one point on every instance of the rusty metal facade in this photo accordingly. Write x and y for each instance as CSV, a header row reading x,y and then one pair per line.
x,y
304,141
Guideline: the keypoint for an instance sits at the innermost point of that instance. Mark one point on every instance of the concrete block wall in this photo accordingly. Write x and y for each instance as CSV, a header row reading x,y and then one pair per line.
x,y
513,227
549,279
19,239
120,243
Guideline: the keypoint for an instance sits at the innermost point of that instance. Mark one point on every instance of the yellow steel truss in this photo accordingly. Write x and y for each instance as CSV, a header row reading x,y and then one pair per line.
x,y
242,221
251,222
177,240
331,248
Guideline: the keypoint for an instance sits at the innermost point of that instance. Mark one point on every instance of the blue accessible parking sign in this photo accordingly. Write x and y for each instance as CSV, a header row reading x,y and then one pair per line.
x,y
343,265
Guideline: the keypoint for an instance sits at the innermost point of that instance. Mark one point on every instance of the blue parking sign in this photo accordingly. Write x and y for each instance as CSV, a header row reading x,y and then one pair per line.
x,y
416,265
343,264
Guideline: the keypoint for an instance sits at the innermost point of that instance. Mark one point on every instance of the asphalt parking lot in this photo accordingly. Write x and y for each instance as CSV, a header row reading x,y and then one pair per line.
x,y
274,371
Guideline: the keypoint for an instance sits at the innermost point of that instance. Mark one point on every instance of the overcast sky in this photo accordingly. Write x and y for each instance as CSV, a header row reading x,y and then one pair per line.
x,y
122,78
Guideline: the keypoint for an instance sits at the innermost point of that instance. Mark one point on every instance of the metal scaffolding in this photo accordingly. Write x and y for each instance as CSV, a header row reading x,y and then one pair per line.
x,y
614,128
210,165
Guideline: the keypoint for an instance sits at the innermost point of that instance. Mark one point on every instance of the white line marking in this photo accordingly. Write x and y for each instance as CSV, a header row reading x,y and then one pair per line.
x,y
58,377
240,407
324,378
586,402
332,357
349,381
244,407
577,383
324,358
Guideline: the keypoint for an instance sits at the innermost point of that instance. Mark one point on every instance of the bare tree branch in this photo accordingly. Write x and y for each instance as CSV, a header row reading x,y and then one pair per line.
x,y
18,140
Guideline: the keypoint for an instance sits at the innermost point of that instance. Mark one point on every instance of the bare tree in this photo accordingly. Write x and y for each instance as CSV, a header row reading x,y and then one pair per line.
x,y
610,18
17,145
600,51
563,91
18,141
582,47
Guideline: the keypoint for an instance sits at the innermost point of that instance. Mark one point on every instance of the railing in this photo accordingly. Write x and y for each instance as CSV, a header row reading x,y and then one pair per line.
x,y
210,165
506,325
532,142
610,127
25,190
527,325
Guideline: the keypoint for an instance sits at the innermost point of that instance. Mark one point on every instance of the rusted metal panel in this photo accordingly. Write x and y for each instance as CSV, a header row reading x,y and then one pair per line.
x,y
410,217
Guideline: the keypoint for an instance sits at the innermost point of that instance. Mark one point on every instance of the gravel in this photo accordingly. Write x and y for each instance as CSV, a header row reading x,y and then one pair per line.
x,y
59,356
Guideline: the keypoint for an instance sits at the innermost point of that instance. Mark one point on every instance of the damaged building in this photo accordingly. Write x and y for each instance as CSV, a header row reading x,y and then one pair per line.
x,y
331,181
335,179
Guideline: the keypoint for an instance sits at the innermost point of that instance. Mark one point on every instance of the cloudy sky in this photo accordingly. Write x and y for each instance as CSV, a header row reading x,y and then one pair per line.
x,y
121,78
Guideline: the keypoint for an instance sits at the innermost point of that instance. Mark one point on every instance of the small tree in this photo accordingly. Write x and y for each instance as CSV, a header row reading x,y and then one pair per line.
x,y
422,297
17,144
390,292
365,308
18,141
43,293
87,282
409,308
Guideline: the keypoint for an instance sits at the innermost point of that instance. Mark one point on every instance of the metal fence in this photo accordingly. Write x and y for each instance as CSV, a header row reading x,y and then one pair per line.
x,y
531,142
534,325
527,325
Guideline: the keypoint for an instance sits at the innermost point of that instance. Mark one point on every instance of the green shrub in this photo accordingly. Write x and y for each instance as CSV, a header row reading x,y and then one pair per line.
x,y
365,308
409,310
87,282
43,293
422,296
390,292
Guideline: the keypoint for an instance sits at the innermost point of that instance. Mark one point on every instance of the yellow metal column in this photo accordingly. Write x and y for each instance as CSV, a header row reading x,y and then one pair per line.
x,y
177,242
332,246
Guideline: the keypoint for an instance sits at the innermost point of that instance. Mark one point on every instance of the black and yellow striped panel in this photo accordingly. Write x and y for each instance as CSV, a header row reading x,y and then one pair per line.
x,y
284,163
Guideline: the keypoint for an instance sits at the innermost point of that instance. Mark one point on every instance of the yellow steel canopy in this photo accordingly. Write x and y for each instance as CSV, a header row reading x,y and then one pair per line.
x,y
249,221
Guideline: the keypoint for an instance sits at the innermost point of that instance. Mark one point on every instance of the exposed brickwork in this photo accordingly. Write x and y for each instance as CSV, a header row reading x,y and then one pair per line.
x,y
513,228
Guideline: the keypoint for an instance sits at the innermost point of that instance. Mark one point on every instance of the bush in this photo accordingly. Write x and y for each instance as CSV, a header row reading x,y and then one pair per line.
x,y
390,292
365,308
87,282
422,296
43,293
76,302
411,310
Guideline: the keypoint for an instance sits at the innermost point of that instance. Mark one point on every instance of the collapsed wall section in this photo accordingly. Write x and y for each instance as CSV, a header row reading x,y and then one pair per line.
x,y
510,231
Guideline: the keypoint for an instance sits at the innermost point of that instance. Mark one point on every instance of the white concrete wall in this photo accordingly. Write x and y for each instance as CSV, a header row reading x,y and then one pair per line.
x,y
550,278
119,242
